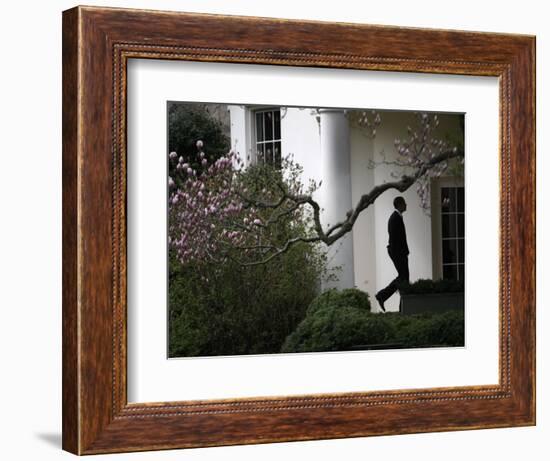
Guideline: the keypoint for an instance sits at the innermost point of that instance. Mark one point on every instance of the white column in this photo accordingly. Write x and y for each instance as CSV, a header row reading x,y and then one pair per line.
x,y
336,191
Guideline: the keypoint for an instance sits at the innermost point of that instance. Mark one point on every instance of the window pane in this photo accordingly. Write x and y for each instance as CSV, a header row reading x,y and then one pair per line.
x,y
452,232
268,126
448,199
259,127
277,124
260,153
460,250
450,272
460,223
449,251
460,199
269,153
448,225
278,154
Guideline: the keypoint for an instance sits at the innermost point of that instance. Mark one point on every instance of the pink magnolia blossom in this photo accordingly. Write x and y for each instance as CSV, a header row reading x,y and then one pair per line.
x,y
204,212
419,148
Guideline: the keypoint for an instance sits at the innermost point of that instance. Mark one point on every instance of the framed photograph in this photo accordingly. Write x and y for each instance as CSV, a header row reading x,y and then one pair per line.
x,y
281,230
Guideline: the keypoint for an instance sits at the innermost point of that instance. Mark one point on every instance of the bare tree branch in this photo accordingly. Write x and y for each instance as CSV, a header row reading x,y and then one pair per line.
x,y
338,230
279,251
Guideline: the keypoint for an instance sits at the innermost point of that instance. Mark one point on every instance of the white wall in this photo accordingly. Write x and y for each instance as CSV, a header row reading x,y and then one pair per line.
x,y
30,247
304,143
238,128
364,244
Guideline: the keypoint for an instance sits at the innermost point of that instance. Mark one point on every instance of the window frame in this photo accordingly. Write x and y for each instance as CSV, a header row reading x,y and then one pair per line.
x,y
254,131
436,221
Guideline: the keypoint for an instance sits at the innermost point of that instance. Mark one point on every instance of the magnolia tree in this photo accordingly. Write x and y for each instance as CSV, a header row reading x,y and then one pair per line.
x,y
255,214
227,212
421,157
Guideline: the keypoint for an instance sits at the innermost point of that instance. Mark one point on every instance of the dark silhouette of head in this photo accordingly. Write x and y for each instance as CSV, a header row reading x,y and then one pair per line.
x,y
399,204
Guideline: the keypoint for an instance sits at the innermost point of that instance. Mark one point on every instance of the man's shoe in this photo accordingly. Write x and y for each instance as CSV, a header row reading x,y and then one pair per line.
x,y
380,302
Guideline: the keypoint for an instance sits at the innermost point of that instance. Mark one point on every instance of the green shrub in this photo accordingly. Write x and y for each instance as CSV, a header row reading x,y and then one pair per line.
x,y
234,310
422,286
350,297
337,328
354,298
446,329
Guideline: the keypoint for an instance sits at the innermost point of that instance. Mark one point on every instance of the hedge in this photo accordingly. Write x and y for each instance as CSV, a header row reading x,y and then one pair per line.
x,y
350,297
422,286
333,325
336,328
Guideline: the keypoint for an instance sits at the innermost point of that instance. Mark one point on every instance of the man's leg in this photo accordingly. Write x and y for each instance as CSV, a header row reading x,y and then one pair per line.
x,y
402,266
402,270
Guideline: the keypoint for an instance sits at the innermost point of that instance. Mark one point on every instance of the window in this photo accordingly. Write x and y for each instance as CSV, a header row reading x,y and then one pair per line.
x,y
268,136
452,232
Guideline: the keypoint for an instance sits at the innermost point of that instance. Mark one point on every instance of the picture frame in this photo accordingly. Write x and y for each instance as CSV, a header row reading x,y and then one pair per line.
x,y
97,44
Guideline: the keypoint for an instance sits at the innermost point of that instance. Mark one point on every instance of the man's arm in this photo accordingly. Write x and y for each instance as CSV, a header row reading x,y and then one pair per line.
x,y
405,245
398,238
393,230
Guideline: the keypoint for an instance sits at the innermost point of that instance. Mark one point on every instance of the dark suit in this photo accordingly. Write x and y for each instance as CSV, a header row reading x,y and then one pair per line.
x,y
399,254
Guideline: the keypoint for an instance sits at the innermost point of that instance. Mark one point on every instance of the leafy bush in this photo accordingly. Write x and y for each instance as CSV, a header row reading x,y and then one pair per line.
x,y
239,310
331,325
422,286
349,297
446,329
337,328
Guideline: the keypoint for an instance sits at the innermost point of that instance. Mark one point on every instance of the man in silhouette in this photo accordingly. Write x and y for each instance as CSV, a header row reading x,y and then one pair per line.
x,y
398,251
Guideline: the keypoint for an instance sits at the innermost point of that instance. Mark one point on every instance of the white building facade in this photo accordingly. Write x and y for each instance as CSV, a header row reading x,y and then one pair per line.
x,y
340,153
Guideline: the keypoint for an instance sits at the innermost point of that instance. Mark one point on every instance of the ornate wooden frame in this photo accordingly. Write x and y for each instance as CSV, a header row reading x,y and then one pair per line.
x,y
97,43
